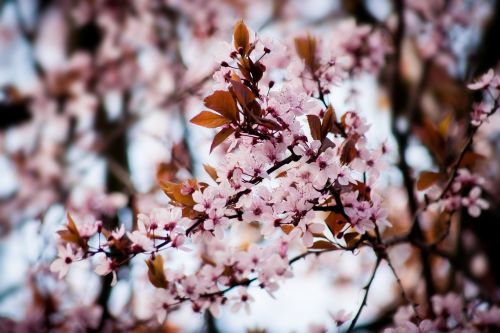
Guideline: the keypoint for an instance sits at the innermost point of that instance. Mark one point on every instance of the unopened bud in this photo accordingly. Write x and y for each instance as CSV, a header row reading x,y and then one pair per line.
x,y
224,64
267,50
98,224
271,84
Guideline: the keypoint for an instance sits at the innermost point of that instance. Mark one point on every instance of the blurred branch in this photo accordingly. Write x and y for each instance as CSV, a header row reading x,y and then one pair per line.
x,y
398,114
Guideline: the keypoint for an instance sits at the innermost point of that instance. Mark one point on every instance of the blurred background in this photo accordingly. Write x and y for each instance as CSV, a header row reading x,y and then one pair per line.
x,y
95,102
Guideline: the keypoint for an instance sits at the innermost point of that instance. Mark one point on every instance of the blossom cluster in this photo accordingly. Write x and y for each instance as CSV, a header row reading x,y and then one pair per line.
x,y
304,176
452,313
275,174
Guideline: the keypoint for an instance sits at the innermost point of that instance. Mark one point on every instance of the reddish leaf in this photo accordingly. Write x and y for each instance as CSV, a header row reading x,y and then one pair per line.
x,y
71,234
222,102
306,49
314,126
348,150
211,171
173,191
335,223
323,245
243,94
426,179
241,36
351,238
470,158
156,273
444,125
363,190
221,136
329,121
165,172
209,119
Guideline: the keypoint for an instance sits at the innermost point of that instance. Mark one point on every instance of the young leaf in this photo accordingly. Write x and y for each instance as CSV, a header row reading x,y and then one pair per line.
x,y
222,101
241,36
444,125
211,171
221,136
156,274
335,223
243,94
209,119
351,238
426,179
173,191
314,126
306,49
470,158
328,124
323,245
71,234
348,150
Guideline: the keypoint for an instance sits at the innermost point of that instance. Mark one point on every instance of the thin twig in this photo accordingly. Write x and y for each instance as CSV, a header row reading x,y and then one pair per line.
x,y
365,297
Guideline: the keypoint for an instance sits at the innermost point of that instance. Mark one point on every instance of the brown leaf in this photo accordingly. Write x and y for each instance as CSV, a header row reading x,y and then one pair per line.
x,y
243,94
329,121
221,136
306,49
351,238
314,126
209,119
323,245
165,171
335,223
470,158
173,191
241,36
71,233
223,102
211,171
348,150
444,125
426,179
156,273
363,190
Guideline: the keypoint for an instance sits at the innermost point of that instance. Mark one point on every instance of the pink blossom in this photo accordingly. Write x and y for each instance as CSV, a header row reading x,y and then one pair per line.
x,y
242,300
119,232
340,317
474,203
66,257
106,266
207,200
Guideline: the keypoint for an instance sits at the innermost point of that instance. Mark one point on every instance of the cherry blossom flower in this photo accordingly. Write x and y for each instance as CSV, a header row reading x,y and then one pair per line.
x,y
474,203
242,300
119,232
66,257
106,266
140,240
340,317
308,230
207,200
